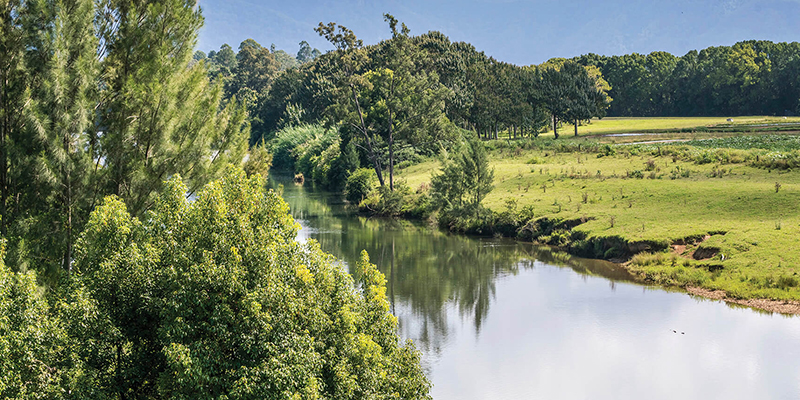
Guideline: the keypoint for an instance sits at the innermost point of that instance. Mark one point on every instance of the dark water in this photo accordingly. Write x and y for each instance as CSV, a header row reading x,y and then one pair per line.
x,y
496,319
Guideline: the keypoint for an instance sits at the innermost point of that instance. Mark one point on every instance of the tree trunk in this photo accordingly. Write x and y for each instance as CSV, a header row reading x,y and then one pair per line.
x,y
67,262
555,126
372,156
576,127
4,128
391,143
391,155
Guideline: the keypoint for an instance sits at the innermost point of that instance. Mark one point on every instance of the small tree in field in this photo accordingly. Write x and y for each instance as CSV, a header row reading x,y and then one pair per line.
x,y
465,181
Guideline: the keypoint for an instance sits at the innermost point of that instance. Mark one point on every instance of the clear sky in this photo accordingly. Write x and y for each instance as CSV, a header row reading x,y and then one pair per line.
x,y
518,31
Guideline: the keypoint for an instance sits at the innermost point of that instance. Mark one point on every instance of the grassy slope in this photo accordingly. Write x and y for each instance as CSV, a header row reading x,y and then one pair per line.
x,y
761,260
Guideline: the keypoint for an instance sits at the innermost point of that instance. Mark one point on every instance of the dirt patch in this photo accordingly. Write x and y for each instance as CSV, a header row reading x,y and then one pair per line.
x,y
776,306
693,248
704,253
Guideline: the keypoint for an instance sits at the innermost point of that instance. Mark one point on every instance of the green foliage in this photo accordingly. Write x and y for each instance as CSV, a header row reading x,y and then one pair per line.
x,y
100,98
294,142
385,101
259,160
782,143
360,184
752,77
464,181
31,339
160,118
215,298
343,165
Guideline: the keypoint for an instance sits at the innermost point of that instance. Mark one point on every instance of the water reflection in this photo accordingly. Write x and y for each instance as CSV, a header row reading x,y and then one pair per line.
x,y
435,281
497,319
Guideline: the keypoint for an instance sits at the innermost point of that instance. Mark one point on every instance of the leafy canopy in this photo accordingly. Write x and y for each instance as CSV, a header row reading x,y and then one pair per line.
x,y
214,298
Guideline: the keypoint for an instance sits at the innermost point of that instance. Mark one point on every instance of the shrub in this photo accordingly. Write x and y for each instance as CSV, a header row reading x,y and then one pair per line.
x,y
360,184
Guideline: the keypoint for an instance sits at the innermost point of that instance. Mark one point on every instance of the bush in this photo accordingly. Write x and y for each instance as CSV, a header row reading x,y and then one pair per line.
x,y
215,296
360,184
294,143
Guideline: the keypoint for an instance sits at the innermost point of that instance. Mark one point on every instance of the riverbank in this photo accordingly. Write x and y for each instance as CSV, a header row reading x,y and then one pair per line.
x,y
681,216
774,306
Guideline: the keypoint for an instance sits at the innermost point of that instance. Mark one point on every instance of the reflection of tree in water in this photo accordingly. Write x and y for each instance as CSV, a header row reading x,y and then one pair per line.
x,y
429,273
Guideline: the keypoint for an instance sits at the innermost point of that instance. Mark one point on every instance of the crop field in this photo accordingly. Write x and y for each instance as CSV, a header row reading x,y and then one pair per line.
x,y
746,218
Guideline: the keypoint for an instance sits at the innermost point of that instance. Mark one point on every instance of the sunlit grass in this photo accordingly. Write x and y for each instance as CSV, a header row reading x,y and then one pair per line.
x,y
672,200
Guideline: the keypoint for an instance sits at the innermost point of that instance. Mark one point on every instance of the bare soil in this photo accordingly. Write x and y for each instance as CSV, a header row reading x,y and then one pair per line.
x,y
775,306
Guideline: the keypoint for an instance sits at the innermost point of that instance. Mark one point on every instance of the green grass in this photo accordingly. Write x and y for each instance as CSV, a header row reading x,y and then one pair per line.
x,y
627,130
612,125
765,142
761,226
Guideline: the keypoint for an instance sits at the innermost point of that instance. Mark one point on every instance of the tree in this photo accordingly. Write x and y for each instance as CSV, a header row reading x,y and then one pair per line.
x,y
64,115
554,88
396,102
306,54
285,60
348,60
571,94
215,298
587,96
255,69
158,117
16,19
465,180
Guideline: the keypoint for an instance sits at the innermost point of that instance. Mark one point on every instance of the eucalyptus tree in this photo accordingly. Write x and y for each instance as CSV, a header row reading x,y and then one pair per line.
x,y
255,71
392,101
346,69
406,104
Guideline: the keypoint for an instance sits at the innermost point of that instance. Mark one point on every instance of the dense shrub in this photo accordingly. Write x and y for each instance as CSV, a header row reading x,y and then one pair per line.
x,y
360,184
295,143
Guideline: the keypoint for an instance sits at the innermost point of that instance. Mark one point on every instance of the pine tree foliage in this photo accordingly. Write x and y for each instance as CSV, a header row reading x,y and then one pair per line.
x,y
97,98
158,117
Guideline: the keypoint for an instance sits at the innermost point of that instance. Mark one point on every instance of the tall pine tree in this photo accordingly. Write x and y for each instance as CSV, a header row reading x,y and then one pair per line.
x,y
158,116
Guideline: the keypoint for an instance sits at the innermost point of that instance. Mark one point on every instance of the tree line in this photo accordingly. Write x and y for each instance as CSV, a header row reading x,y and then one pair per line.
x,y
754,77
403,96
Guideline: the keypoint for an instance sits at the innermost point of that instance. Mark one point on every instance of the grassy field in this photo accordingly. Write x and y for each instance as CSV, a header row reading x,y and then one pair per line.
x,y
747,219
611,125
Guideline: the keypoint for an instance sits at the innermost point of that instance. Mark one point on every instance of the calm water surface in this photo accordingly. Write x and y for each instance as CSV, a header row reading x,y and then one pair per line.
x,y
496,319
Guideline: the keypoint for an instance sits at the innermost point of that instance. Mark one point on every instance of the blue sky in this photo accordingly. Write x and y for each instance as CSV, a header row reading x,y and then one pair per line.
x,y
518,31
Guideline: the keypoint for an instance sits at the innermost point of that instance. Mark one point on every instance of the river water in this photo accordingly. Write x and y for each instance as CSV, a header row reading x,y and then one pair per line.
x,y
497,319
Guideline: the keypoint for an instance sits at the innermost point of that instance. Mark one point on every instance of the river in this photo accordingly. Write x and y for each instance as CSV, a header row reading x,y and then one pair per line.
x,y
498,319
